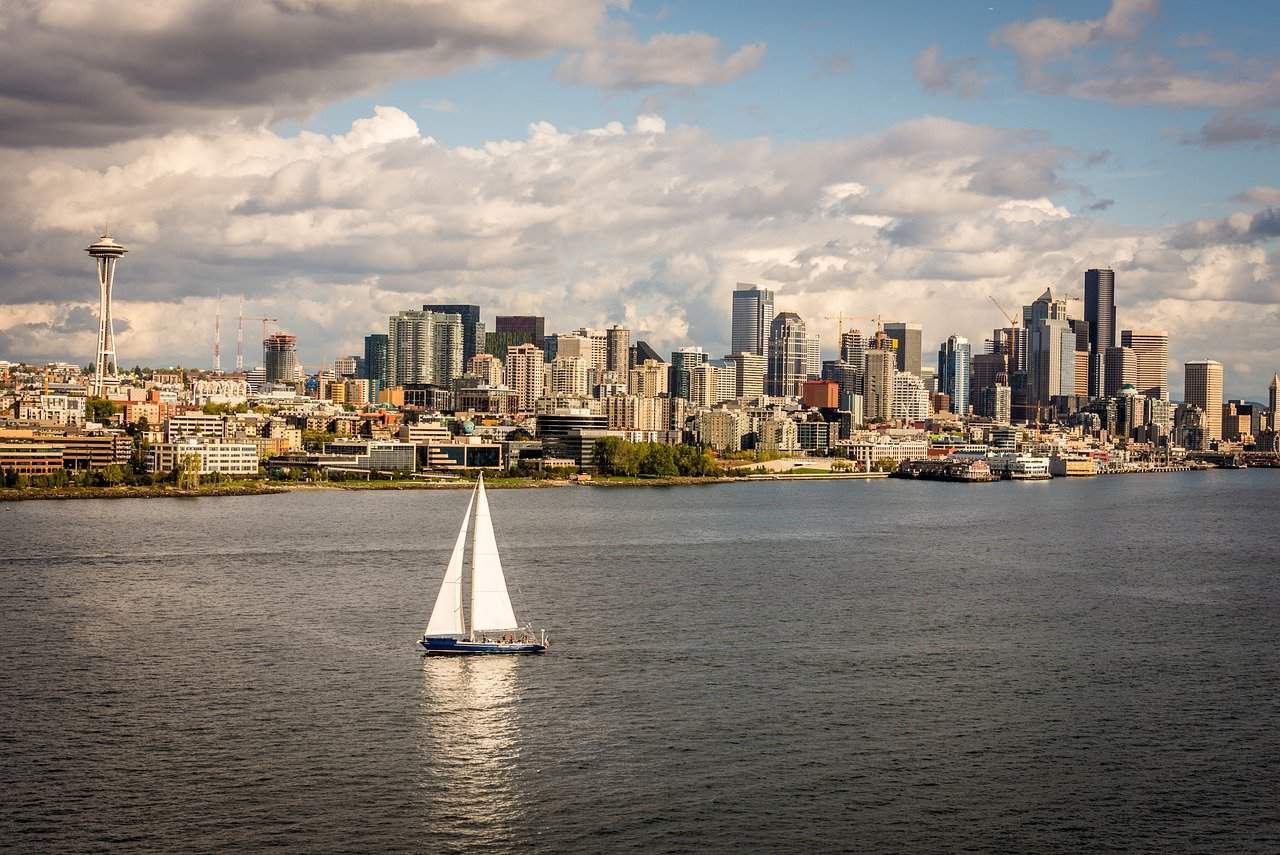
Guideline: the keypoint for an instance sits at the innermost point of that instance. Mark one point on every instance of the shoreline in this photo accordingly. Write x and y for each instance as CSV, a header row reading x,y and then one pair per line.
x,y
269,488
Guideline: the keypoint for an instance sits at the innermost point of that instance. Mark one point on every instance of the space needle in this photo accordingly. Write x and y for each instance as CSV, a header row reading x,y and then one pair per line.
x,y
106,252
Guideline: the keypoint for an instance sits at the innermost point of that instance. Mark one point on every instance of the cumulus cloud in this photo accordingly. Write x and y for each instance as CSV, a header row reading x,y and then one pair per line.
x,y
665,59
1239,228
1260,194
643,223
76,74
938,74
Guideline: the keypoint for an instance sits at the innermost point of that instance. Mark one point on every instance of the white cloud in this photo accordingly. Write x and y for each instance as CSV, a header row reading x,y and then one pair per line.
x,y
938,74
647,224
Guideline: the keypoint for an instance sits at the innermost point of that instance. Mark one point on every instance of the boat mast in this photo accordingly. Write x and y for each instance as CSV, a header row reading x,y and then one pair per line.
x,y
475,534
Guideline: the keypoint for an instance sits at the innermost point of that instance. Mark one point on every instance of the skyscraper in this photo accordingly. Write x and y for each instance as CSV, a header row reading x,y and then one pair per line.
x,y
953,372
375,360
683,361
1273,400
788,355
877,385
812,356
1100,314
750,370
910,341
533,326
472,328
280,358
106,253
1152,350
752,319
1052,360
1202,388
1119,369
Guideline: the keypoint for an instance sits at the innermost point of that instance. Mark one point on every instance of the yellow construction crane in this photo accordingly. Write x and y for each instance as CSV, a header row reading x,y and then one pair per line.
x,y
841,317
265,321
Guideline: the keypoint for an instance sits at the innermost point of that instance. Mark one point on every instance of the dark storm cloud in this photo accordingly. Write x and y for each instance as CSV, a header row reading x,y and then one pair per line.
x,y
80,74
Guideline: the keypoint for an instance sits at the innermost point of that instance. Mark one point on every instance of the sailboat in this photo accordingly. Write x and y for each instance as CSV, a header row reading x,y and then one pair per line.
x,y
493,622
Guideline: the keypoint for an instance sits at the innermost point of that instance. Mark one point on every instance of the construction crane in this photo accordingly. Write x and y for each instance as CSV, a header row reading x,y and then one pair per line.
x,y
841,317
1013,322
240,333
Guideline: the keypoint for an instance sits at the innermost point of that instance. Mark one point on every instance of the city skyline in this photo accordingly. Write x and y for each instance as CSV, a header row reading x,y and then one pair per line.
x,y
616,183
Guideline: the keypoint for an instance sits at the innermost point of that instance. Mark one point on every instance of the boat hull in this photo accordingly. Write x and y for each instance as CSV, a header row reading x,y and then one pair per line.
x,y
456,647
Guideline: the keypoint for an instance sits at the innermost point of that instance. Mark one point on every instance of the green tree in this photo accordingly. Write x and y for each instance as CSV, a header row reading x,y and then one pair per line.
x,y
99,409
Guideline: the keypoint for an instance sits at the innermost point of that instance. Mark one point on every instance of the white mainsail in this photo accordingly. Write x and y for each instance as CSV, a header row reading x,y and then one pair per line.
x,y
490,605
446,617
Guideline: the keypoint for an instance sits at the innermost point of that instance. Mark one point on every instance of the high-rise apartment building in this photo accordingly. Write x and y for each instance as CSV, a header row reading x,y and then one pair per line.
x,y
910,339
487,367
524,371
986,370
1152,350
618,349
910,400
750,370
648,379
953,372
1203,389
375,360
598,357
788,355
1119,369
280,358
752,319
569,376
683,361
472,328
424,347
877,385
1100,314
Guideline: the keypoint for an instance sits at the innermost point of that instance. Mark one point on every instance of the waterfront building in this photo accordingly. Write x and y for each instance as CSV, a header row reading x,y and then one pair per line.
x,y
722,430
205,457
1120,369
379,455
866,449
280,358
1100,314
683,361
953,372
532,326
777,433
1203,390
909,339
473,334
877,385
752,317
524,370
1152,350
788,356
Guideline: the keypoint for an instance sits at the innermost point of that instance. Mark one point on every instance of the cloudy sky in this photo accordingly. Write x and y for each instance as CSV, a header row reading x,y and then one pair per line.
x,y
335,161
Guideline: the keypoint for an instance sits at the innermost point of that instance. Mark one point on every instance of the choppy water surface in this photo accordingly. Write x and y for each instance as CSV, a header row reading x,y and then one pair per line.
x,y
888,666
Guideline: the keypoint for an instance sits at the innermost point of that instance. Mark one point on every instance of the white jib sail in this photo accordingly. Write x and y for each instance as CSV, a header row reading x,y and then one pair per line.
x,y
490,605
446,617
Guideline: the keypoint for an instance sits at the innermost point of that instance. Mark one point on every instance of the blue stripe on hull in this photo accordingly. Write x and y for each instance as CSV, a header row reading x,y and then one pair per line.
x,y
453,647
